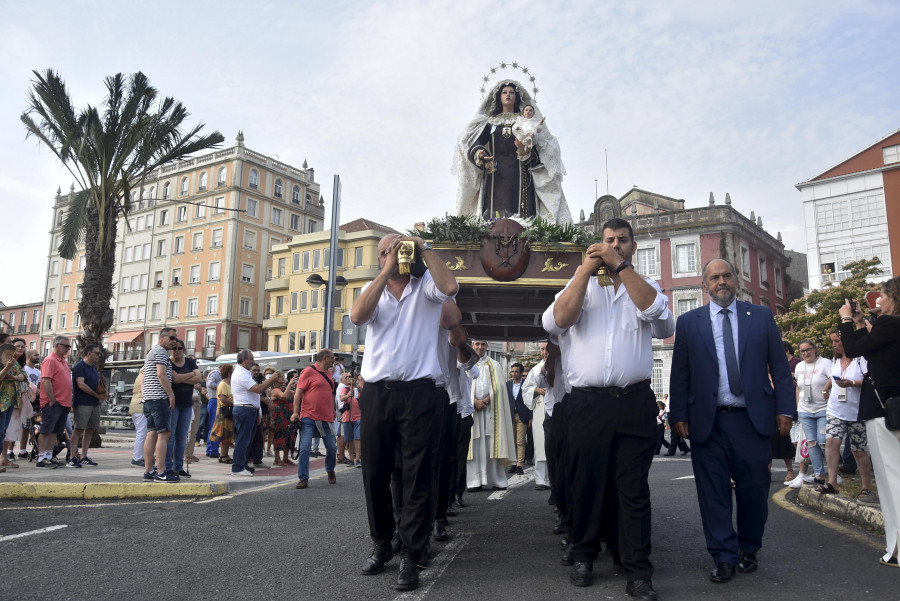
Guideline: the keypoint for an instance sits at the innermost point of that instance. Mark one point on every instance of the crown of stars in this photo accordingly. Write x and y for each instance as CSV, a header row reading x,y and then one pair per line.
x,y
514,66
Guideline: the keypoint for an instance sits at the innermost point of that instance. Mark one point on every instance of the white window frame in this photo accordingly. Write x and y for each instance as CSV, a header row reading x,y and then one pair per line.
x,y
674,243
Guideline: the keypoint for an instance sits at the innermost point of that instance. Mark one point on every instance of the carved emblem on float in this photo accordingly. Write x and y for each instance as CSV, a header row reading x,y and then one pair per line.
x,y
504,256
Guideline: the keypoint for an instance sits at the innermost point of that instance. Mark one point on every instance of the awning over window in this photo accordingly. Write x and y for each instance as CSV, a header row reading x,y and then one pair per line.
x,y
129,336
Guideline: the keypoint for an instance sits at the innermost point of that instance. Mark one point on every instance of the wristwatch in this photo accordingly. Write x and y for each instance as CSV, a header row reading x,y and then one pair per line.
x,y
426,246
622,266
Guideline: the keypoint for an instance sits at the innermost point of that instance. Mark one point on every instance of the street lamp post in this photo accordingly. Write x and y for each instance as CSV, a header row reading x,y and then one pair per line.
x,y
339,283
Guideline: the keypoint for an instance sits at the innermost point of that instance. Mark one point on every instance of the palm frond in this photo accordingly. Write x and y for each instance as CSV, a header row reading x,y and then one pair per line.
x,y
74,224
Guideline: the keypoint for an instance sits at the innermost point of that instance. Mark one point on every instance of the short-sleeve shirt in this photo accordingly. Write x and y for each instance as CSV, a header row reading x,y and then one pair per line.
x,y
56,369
212,383
153,390
184,393
318,395
91,378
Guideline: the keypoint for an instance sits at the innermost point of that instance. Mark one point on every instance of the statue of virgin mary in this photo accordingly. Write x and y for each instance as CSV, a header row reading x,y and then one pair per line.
x,y
497,176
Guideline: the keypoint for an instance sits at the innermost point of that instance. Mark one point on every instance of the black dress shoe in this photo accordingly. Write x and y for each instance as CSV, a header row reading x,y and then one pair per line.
x,y
559,529
686,452
723,572
472,489
511,470
541,487
641,589
565,541
552,499
747,563
460,502
520,471
374,564
451,513
408,578
440,534
567,558
582,575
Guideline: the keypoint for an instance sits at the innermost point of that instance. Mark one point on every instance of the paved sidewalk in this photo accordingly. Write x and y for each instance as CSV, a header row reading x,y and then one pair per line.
x,y
115,478
842,508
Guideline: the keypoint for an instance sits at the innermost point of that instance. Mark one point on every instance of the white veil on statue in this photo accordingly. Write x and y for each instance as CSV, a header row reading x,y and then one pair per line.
x,y
550,200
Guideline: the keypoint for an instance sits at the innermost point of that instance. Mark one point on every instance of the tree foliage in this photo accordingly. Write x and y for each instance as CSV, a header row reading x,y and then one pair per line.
x,y
109,150
816,314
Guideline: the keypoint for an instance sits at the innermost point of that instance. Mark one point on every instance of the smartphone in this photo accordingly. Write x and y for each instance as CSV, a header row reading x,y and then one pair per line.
x,y
836,378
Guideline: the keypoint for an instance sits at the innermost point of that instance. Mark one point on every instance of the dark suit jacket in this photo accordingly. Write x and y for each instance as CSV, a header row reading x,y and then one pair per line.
x,y
517,404
694,383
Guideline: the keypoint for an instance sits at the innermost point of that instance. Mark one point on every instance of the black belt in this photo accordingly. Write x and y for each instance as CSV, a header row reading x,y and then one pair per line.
x,y
614,391
729,409
402,384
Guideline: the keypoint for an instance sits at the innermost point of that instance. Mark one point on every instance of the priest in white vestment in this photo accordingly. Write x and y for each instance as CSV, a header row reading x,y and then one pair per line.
x,y
540,396
492,446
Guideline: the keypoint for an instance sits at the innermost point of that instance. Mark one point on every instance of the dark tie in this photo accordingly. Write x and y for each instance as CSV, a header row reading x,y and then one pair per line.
x,y
731,363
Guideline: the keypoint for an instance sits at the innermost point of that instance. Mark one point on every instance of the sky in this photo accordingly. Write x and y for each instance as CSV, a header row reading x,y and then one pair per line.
x,y
683,98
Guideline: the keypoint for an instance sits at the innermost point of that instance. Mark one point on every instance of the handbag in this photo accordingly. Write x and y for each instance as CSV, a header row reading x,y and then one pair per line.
x,y
227,412
891,408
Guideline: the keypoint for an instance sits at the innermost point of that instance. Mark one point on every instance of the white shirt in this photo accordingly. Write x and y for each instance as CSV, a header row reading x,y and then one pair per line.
x,y
467,372
402,335
609,344
813,376
843,403
715,315
241,382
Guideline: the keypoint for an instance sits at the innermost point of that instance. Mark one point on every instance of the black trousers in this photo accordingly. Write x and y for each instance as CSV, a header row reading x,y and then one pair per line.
x,y
462,452
404,420
676,442
446,457
454,460
611,446
255,452
661,431
560,452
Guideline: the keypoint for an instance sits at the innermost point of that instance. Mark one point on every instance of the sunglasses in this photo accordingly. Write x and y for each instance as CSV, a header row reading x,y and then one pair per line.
x,y
173,338
178,348
64,345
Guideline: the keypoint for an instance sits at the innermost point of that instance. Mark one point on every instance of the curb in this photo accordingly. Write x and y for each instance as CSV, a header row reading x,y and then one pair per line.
x,y
842,508
109,490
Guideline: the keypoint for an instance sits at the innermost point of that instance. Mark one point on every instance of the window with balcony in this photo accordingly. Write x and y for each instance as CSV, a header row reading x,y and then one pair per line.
x,y
166,194
204,179
254,179
200,211
279,188
217,238
181,214
184,186
164,217
220,178
295,195
214,269
212,305
219,205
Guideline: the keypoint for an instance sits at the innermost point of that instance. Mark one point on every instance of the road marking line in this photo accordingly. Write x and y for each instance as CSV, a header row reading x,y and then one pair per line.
x,y
94,505
691,477
438,564
780,498
266,487
512,483
33,532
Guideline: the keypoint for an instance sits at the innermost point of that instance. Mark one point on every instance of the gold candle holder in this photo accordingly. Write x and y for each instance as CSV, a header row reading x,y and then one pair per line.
x,y
603,276
405,255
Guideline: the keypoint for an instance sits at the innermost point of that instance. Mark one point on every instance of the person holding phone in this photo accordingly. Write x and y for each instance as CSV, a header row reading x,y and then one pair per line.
x,y
813,376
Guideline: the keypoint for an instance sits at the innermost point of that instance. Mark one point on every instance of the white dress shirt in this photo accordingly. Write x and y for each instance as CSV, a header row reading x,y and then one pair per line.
x,y
609,344
241,382
715,315
402,335
467,372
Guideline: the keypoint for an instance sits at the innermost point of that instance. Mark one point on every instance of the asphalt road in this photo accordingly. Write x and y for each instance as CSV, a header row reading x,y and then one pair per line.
x,y
281,543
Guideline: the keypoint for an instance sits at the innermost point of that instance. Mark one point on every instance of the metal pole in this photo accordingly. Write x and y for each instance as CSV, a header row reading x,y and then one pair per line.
x,y
332,263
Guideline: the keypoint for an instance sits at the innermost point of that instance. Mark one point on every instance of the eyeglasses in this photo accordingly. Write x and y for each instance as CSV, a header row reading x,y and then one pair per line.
x,y
178,348
64,345
173,338
806,350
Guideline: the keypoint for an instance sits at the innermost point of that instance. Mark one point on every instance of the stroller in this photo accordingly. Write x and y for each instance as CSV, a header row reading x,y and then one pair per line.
x,y
62,440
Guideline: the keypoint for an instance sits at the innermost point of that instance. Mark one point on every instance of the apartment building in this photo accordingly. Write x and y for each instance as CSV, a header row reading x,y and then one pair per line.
x,y
22,321
193,253
295,316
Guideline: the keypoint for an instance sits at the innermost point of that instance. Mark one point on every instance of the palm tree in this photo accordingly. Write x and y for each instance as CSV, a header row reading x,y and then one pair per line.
x,y
109,151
